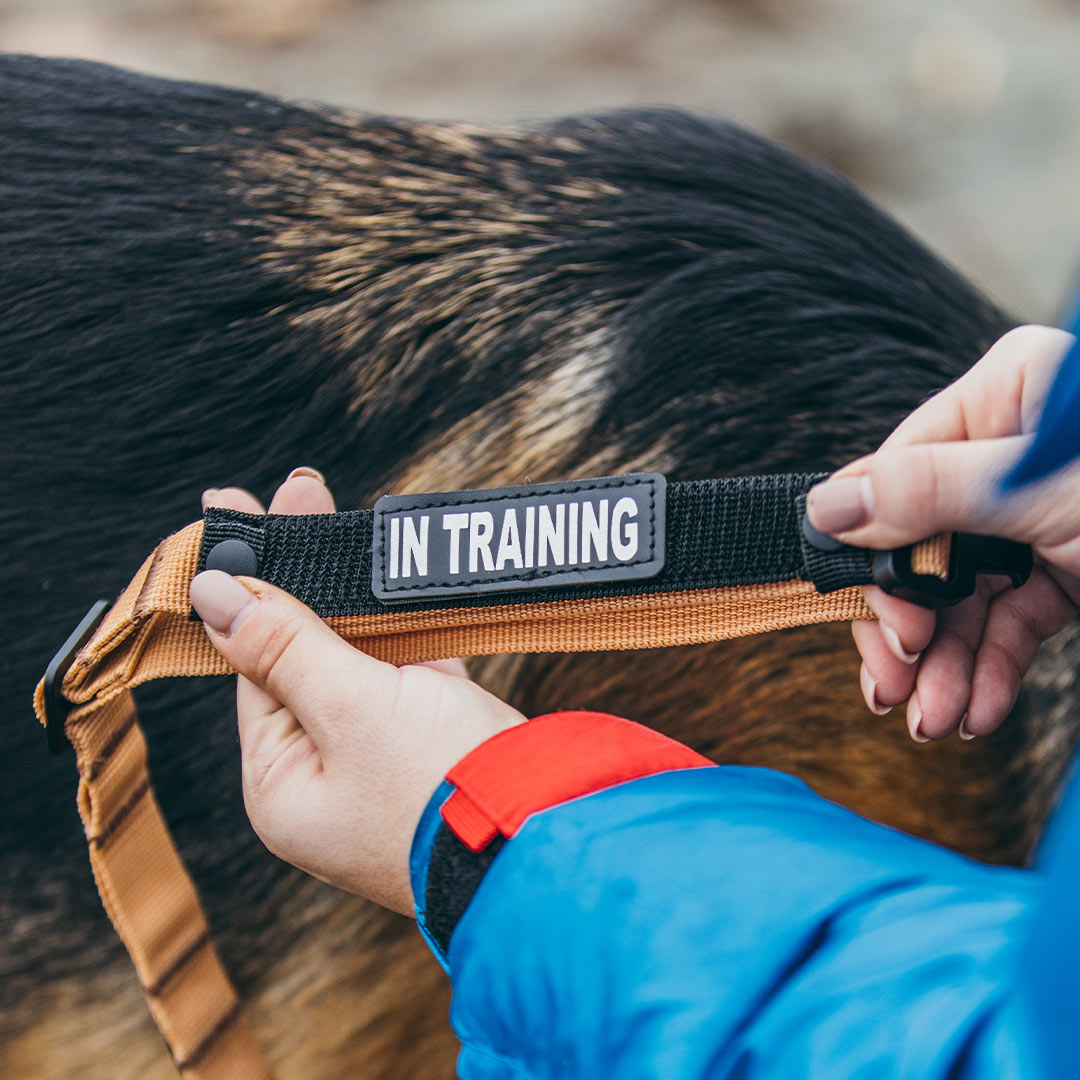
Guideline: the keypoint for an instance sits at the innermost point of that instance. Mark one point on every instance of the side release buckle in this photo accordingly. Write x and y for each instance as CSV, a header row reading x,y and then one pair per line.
x,y
969,555
57,706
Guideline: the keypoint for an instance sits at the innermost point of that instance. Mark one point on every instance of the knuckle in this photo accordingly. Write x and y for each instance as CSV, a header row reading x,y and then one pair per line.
x,y
275,643
1032,344
957,643
1021,335
272,841
255,805
266,821
1030,335
1005,663
1024,631
1027,623
906,484
931,480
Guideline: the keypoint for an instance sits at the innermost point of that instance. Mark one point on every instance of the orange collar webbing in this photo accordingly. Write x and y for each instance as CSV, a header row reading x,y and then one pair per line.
x,y
149,633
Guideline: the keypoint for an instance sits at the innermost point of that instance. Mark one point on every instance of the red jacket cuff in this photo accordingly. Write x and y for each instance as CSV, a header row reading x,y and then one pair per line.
x,y
550,760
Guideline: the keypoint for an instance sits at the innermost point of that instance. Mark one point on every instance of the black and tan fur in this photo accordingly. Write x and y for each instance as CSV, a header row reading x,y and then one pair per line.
x,y
207,286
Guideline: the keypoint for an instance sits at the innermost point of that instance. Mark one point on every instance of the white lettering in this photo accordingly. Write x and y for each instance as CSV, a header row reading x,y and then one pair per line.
x,y
571,543
624,549
395,531
509,542
530,532
594,530
455,524
481,526
414,547
552,536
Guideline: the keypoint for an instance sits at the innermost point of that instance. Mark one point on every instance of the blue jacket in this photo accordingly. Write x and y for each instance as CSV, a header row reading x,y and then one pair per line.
x,y
728,922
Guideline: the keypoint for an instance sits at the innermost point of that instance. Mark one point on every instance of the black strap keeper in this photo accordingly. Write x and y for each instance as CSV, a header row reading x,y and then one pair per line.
x,y
829,564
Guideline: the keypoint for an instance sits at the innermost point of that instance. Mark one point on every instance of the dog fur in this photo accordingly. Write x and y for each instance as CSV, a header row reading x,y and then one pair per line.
x,y
206,286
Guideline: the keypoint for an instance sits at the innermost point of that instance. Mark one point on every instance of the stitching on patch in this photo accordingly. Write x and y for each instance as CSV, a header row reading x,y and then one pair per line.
x,y
536,573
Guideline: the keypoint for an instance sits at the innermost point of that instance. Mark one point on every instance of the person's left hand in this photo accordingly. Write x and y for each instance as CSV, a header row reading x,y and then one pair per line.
x,y
341,751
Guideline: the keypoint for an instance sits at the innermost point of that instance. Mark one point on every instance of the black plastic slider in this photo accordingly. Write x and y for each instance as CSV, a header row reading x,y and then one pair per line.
x,y
969,555
57,706
832,565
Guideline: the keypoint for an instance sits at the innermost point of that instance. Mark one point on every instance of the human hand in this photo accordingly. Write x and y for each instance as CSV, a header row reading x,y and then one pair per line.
x,y
341,751
961,667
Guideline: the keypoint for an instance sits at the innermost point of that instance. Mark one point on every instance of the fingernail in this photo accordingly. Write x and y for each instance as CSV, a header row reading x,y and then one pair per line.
x,y
306,470
840,504
221,601
892,640
914,719
962,730
207,494
868,684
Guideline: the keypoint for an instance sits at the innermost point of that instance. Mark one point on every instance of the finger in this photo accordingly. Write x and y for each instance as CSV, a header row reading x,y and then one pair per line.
x,y
269,737
1001,395
286,650
1018,622
884,680
303,492
251,702
914,492
232,498
943,682
905,627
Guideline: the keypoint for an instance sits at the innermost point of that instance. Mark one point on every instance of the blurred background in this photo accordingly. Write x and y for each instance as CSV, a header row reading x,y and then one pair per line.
x,y
962,118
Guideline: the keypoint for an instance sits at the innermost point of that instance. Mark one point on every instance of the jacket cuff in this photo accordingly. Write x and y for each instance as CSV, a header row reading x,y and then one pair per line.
x,y
521,771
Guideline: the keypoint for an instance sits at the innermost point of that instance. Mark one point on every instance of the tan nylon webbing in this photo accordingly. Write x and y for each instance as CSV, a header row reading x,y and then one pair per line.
x,y
932,556
148,635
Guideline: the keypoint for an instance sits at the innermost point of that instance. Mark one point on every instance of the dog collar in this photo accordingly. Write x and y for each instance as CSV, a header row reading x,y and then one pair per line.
x,y
622,562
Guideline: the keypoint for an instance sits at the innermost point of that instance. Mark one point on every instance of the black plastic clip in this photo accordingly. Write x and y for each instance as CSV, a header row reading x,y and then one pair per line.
x,y
968,555
57,706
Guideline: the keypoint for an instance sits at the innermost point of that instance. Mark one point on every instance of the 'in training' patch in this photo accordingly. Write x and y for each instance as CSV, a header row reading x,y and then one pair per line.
x,y
576,533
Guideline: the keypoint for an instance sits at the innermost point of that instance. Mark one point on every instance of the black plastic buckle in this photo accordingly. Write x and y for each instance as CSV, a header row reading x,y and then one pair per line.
x,y
57,706
968,555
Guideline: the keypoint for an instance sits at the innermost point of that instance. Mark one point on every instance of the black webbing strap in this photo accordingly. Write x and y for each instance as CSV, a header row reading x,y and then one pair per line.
x,y
829,564
720,533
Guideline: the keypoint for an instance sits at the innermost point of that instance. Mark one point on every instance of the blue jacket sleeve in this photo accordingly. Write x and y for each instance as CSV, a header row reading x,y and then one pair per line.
x,y
728,922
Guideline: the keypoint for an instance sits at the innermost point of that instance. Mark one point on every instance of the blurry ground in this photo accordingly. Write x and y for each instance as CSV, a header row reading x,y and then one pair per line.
x,y
962,117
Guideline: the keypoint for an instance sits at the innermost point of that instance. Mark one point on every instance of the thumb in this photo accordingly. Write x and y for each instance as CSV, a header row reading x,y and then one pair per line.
x,y
902,495
286,650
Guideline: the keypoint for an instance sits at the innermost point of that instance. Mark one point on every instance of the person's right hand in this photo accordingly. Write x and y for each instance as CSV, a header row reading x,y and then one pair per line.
x,y
961,667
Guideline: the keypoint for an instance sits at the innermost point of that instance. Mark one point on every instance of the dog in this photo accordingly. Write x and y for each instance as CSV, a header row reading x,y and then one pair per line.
x,y
208,286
